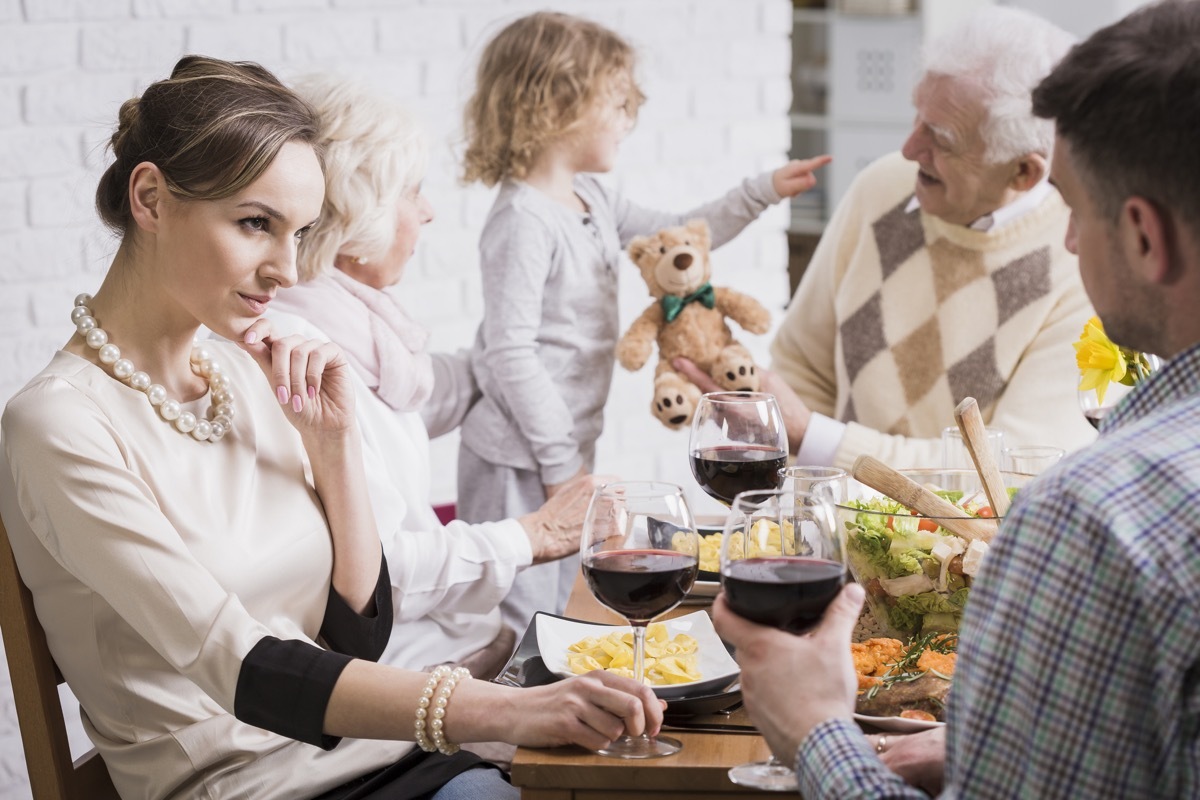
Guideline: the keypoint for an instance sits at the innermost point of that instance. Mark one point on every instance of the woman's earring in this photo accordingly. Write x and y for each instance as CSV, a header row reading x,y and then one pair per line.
x,y
360,260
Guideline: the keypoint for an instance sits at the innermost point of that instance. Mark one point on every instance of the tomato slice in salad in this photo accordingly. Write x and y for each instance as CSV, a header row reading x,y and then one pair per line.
x,y
925,524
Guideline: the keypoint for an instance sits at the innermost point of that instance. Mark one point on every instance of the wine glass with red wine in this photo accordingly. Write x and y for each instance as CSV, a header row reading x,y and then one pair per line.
x,y
782,563
1089,401
738,443
639,553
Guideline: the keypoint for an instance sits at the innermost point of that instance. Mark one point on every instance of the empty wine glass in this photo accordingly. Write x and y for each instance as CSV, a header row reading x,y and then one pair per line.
x,y
738,443
954,451
639,553
782,563
1032,459
806,479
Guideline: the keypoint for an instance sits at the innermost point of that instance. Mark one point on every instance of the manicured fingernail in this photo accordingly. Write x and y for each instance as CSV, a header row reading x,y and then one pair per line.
x,y
312,392
251,337
282,394
297,403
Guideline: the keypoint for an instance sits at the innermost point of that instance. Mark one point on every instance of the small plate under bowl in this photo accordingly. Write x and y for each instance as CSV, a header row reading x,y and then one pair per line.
x,y
696,705
898,724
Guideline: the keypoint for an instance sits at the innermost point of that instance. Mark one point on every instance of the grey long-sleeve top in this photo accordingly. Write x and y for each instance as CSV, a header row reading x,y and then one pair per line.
x,y
544,353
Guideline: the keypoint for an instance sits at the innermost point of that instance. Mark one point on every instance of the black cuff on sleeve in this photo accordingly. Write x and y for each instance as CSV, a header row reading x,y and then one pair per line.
x,y
346,631
284,687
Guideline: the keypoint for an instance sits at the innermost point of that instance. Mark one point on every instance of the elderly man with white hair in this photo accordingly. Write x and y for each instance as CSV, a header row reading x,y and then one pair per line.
x,y
942,273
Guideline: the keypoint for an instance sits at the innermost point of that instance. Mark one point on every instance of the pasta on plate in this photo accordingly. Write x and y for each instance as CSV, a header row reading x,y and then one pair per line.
x,y
667,660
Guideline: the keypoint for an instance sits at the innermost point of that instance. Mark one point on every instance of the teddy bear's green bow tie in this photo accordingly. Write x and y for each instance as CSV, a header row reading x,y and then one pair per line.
x,y
672,305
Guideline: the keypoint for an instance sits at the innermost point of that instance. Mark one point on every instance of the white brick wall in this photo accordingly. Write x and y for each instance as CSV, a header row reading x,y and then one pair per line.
x,y
715,72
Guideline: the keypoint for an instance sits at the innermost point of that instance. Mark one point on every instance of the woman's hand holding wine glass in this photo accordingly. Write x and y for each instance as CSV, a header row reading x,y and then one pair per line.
x,y
639,556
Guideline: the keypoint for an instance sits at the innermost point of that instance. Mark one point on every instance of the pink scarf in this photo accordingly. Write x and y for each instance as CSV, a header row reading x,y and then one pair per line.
x,y
383,345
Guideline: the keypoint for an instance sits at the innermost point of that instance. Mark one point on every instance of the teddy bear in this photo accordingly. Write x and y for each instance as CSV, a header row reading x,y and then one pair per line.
x,y
687,318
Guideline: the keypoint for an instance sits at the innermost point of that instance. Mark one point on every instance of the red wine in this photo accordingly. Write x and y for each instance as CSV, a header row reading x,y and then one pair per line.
x,y
725,471
1094,415
640,584
784,592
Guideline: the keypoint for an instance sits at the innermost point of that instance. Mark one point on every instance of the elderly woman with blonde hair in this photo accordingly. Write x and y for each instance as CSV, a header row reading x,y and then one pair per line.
x,y
375,158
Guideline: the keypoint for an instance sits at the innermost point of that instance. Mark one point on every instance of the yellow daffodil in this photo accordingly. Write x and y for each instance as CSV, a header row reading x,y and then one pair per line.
x,y
1100,361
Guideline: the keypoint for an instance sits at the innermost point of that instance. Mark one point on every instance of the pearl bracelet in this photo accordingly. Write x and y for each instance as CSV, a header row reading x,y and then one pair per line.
x,y
435,678
444,746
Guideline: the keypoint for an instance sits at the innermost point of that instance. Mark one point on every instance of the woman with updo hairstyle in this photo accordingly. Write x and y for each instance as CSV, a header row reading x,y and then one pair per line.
x,y
349,265
193,519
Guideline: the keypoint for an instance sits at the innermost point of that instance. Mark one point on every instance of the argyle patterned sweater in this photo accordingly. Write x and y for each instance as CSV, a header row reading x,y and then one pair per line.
x,y
901,315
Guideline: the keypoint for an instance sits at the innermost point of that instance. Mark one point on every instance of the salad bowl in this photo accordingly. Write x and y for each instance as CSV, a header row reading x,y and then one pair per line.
x,y
917,575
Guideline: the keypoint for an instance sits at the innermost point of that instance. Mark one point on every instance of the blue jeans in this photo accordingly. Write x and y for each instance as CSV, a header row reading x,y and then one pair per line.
x,y
478,784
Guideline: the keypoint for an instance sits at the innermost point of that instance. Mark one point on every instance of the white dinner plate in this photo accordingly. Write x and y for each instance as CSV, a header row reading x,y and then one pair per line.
x,y
898,724
705,589
717,667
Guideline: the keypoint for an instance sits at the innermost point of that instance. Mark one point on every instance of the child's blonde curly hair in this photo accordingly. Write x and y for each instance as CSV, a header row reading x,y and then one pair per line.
x,y
537,78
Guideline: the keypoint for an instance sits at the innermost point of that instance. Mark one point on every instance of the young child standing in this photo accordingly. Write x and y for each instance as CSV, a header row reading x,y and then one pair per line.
x,y
554,97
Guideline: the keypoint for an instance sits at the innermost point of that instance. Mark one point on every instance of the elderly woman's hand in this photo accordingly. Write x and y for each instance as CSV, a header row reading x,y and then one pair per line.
x,y
555,528
590,710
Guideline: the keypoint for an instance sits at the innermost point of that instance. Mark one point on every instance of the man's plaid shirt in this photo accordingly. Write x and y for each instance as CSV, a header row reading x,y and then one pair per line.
x,y
1079,668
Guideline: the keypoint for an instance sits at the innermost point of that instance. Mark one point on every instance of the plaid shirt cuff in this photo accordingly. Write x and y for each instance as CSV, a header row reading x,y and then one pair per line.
x,y
835,760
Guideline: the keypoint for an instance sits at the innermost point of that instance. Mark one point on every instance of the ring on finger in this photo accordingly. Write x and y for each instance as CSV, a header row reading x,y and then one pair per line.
x,y
881,743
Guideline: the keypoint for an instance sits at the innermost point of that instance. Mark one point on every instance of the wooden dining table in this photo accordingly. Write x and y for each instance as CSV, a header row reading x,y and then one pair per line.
x,y
698,771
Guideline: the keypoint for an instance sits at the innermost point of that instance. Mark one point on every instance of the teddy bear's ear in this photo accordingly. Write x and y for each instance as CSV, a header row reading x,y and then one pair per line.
x,y
639,246
699,228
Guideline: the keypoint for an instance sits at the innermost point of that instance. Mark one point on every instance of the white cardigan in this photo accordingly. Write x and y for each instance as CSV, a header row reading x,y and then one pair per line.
x,y
447,581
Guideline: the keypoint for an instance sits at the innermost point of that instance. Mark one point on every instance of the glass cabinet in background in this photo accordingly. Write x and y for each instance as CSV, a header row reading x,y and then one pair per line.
x,y
854,64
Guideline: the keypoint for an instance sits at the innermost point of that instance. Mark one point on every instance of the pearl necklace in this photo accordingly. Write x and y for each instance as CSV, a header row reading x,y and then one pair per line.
x,y
220,413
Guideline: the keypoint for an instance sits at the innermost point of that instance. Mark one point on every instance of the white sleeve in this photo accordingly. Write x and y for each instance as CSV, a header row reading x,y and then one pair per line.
x,y
820,444
457,568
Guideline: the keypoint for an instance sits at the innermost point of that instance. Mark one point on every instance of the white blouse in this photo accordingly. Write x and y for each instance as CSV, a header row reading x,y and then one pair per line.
x,y
157,562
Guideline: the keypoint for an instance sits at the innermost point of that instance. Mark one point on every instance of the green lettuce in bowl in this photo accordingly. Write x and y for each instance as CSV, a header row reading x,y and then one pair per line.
x,y
917,575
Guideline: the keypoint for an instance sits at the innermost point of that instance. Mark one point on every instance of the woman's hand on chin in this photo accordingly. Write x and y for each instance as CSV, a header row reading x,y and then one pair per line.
x,y
309,378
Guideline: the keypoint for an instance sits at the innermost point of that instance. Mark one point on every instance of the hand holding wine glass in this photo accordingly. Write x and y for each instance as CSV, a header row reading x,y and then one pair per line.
x,y
790,683
738,443
782,564
639,554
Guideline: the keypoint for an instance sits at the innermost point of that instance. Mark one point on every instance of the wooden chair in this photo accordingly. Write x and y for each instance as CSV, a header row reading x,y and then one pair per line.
x,y
35,680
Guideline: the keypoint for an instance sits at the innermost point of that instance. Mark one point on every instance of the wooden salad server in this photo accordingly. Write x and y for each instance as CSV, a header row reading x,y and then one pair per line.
x,y
970,423
904,490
